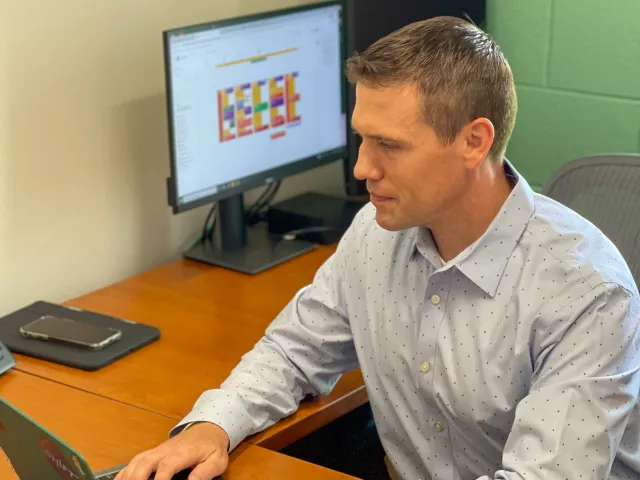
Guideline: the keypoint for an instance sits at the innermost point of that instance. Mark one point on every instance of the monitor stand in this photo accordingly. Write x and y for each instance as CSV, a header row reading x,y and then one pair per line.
x,y
246,250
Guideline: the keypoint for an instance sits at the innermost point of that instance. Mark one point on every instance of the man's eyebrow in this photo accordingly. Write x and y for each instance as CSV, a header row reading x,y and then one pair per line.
x,y
380,137
385,139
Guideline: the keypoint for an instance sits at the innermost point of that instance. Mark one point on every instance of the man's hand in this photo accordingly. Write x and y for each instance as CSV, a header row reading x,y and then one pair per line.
x,y
203,447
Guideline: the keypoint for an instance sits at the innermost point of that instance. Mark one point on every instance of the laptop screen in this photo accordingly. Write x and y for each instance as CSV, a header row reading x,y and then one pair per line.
x,y
34,452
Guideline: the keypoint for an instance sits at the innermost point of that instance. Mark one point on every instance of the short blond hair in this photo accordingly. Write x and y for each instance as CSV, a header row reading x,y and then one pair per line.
x,y
459,69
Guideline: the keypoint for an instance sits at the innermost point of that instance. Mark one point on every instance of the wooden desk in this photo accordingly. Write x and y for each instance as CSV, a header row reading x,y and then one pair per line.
x,y
208,317
108,433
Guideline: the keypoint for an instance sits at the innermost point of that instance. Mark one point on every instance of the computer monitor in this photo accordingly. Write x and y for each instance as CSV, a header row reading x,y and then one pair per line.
x,y
252,100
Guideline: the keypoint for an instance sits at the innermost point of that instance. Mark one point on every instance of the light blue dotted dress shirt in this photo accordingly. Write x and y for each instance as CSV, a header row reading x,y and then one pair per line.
x,y
518,359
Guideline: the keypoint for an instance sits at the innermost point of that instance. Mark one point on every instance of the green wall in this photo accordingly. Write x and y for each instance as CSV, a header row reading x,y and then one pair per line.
x,y
577,70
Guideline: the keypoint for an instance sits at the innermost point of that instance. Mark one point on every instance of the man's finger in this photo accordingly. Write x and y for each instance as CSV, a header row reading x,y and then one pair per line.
x,y
214,465
169,466
141,469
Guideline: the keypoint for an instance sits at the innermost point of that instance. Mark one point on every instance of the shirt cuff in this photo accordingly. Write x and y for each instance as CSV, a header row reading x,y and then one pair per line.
x,y
223,409
181,428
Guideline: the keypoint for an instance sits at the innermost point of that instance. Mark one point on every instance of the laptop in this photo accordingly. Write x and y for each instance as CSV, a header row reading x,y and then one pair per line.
x,y
37,454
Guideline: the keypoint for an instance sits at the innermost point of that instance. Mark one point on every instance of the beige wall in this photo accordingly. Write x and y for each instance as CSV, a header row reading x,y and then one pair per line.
x,y
83,143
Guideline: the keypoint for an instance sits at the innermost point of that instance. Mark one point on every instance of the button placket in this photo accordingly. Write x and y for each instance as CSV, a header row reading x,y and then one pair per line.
x,y
432,317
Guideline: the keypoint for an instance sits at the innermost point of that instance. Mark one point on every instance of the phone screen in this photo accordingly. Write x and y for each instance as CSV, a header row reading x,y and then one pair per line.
x,y
71,331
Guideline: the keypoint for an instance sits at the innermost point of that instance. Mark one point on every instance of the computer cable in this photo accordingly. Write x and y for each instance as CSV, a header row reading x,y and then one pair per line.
x,y
294,234
207,231
256,213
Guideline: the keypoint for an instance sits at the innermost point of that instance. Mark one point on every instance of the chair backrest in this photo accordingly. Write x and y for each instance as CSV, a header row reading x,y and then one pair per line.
x,y
605,189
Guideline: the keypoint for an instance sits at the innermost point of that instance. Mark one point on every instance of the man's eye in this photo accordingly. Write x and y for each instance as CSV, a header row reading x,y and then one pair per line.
x,y
386,145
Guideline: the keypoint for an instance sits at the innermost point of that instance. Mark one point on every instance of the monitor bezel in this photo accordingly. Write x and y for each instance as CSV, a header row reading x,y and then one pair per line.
x,y
268,176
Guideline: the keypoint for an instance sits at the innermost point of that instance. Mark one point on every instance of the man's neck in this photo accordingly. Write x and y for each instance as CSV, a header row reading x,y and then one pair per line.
x,y
468,218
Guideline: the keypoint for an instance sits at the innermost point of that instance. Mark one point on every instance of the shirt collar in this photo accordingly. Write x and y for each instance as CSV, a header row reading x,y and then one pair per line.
x,y
485,260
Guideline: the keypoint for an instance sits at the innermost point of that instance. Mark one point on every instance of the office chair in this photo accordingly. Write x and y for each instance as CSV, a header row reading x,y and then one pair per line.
x,y
605,189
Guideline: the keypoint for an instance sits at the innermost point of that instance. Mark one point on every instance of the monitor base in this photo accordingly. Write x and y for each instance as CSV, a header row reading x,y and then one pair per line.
x,y
261,252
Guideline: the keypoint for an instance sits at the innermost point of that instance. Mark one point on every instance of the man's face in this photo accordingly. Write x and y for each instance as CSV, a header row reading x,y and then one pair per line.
x,y
411,175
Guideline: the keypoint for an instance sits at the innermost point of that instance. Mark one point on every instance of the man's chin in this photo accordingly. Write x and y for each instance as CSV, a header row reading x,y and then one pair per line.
x,y
386,222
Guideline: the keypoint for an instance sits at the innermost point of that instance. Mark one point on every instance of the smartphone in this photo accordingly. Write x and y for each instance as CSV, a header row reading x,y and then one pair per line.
x,y
70,332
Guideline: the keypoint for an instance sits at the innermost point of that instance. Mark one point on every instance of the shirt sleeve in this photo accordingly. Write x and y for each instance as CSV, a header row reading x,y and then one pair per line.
x,y
584,387
304,352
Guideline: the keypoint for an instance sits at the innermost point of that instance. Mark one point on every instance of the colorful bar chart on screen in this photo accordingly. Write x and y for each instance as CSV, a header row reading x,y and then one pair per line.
x,y
244,109
227,114
260,105
293,97
278,107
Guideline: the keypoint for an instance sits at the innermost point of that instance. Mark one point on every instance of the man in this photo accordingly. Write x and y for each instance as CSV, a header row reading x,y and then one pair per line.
x,y
497,331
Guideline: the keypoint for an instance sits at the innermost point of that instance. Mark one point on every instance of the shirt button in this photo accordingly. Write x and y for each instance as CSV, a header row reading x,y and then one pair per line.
x,y
425,367
435,299
439,427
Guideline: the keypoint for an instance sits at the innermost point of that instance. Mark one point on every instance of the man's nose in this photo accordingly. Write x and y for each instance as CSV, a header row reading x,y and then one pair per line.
x,y
365,168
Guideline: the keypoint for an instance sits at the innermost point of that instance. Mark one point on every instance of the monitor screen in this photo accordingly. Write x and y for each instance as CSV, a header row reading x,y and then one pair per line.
x,y
253,100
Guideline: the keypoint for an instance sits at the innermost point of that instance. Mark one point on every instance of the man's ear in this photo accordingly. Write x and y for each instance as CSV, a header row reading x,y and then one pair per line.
x,y
477,138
